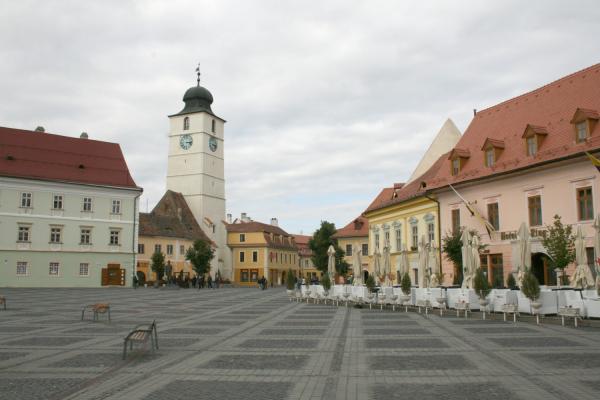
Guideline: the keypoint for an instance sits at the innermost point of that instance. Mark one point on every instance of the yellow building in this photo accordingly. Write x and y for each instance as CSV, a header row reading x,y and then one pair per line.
x,y
170,229
260,250
354,235
400,216
306,266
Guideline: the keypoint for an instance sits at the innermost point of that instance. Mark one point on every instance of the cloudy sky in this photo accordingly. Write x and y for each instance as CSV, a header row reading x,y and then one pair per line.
x,y
326,101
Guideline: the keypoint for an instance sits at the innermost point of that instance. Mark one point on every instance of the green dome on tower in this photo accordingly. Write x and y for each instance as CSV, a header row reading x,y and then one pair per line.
x,y
196,99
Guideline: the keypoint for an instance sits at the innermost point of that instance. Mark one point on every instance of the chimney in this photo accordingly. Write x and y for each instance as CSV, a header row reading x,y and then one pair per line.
x,y
474,112
40,129
274,222
245,217
83,135
229,218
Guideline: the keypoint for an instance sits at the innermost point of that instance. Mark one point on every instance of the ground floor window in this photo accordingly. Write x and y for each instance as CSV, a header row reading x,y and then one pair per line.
x,y
22,268
84,269
497,270
54,269
253,275
244,276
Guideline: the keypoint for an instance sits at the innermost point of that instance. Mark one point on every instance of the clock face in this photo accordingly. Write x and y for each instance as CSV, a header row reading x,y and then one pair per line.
x,y
212,144
185,142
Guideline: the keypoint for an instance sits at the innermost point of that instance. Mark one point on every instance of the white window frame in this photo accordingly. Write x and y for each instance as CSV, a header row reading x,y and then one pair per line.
x,y
431,232
414,232
362,248
157,248
112,234
87,269
24,264
242,237
26,200
87,204
53,265
88,234
115,207
242,256
170,246
255,256
490,157
58,202
532,146
398,239
349,250
27,229
182,249
56,234
578,128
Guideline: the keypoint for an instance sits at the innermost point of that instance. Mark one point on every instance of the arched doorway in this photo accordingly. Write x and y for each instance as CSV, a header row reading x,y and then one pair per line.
x,y
541,268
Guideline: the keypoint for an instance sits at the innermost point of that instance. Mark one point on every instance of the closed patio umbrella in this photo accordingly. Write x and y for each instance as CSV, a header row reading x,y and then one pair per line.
x,y
597,250
331,262
356,266
475,260
405,265
423,261
582,278
434,265
466,263
387,267
376,263
523,261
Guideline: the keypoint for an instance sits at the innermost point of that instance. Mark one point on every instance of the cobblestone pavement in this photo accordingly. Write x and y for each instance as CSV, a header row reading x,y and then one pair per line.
x,y
251,344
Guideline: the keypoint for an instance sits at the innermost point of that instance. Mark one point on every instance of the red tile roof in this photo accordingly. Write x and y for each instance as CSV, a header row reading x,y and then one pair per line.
x,y
358,227
171,217
550,109
302,244
44,156
415,188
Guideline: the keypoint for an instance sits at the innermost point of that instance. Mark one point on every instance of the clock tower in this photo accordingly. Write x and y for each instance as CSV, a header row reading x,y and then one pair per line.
x,y
196,168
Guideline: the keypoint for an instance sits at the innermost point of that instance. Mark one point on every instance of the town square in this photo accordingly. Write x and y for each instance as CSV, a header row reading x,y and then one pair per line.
x,y
273,200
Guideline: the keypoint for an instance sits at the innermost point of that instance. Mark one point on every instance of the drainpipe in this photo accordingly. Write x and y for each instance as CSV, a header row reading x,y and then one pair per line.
x,y
439,226
134,250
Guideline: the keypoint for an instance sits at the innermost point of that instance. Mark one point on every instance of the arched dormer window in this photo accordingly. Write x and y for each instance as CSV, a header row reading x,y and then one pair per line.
x,y
186,123
213,127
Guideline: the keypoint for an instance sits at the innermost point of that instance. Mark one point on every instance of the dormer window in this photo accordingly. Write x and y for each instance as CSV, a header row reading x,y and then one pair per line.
x,y
584,121
458,158
534,135
492,148
186,123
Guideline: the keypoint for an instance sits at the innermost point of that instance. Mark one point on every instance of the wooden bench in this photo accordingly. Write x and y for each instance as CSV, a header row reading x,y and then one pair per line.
x,y
3,301
98,308
569,312
510,309
141,334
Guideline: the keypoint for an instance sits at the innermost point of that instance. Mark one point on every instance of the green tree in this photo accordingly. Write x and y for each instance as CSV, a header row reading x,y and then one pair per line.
x,y
559,242
405,284
326,282
319,244
200,255
530,286
511,282
289,280
370,283
158,264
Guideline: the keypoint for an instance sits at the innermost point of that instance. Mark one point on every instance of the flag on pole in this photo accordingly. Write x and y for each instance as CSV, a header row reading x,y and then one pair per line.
x,y
594,160
475,212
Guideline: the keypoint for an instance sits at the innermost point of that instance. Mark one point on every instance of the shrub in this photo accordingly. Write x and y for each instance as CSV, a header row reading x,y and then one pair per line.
x,y
370,282
531,286
498,284
326,282
481,285
289,280
405,283
511,283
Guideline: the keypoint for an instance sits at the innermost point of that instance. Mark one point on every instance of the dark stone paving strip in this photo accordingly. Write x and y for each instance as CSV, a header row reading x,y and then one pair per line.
x,y
299,331
432,391
422,361
500,330
291,344
222,390
258,362
565,360
396,331
536,341
408,343
37,388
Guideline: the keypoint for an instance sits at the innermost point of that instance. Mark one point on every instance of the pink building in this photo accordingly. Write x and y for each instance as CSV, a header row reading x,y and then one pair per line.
x,y
524,160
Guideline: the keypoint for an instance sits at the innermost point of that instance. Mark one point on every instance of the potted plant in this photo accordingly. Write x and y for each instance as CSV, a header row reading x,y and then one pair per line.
x,y
531,290
405,285
326,282
482,288
289,282
511,283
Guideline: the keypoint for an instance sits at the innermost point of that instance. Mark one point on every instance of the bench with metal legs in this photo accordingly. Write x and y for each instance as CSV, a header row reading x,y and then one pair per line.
x,y
141,334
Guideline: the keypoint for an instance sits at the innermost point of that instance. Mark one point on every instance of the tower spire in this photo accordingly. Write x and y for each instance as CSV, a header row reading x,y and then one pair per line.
x,y
198,74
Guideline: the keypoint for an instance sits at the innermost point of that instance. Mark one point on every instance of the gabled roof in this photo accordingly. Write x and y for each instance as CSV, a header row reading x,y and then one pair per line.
x,y
171,217
416,188
45,156
302,244
499,144
358,227
551,107
280,240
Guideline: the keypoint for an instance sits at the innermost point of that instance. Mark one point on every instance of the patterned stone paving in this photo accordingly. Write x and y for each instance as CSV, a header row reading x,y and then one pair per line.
x,y
252,344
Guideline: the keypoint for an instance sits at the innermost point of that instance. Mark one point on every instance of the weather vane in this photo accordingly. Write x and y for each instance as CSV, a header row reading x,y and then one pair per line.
x,y
198,73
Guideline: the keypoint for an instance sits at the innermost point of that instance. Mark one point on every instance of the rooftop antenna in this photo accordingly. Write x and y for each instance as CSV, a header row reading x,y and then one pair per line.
x,y
198,74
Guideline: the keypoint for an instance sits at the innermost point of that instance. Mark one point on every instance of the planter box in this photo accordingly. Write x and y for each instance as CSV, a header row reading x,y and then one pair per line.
x,y
591,303
548,298
499,297
462,295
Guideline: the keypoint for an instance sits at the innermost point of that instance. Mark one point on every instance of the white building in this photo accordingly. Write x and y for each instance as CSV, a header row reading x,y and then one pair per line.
x,y
68,211
196,168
